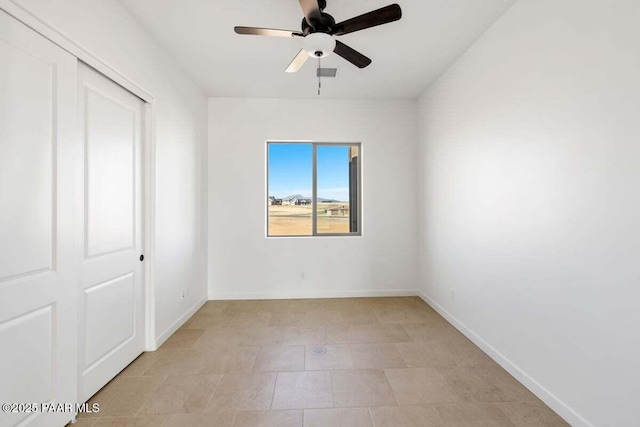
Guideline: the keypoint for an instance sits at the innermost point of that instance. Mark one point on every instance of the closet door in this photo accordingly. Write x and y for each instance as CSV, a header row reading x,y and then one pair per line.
x,y
112,285
40,169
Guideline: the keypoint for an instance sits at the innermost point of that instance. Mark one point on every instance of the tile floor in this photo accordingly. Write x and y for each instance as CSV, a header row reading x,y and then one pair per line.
x,y
331,362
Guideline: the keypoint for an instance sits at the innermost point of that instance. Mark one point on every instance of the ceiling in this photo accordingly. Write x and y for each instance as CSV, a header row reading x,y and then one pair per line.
x,y
407,55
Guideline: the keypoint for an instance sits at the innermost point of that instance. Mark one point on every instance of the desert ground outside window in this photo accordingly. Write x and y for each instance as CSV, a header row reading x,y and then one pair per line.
x,y
313,189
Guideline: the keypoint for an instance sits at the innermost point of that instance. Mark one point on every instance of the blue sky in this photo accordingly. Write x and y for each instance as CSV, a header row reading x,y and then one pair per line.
x,y
290,171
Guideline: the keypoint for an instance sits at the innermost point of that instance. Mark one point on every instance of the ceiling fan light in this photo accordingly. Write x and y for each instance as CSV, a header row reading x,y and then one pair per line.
x,y
319,45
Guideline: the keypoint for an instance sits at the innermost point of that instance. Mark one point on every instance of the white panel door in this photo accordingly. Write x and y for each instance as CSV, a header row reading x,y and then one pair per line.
x,y
112,289
40,212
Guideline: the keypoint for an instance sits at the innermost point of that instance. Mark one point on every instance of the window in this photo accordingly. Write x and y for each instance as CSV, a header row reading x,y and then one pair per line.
x,y
313,189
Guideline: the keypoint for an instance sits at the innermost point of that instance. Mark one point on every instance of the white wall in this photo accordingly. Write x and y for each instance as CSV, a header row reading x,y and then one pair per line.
x,y
529,207
243,263
105,29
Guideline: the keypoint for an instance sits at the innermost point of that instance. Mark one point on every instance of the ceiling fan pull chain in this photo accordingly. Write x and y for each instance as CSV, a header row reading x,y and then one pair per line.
x,y
319,74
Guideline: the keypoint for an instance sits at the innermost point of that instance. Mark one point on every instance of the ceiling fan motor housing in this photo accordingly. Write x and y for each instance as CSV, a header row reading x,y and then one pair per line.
x,y
319,45
321,24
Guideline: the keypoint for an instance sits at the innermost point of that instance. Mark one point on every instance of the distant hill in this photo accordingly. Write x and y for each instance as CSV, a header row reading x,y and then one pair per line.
x,y
295,196
320,199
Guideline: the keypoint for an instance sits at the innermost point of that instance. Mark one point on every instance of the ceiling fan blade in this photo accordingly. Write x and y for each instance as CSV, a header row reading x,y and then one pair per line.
x,y
353,56
311,10
372,19
298,62
267,32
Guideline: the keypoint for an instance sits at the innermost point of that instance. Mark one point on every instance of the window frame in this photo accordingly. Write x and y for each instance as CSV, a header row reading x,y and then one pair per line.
x,y
314,189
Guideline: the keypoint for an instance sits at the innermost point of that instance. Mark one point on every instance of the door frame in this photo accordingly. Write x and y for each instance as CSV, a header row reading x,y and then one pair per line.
x,y
148,146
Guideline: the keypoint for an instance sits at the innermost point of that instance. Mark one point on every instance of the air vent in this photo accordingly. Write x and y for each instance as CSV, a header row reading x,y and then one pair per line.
x,y
326,72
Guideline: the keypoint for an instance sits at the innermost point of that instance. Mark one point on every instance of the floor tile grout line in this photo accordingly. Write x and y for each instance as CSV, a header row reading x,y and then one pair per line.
x,y
450,385
373,423
255,360
333,395
273,392
235,415
151,395
214,392
353,359
391,387
232,319
433,405
502,412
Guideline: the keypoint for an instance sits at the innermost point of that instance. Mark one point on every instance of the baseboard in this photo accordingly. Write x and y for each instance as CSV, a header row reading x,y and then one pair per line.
x,y
176,325
569,415
311,294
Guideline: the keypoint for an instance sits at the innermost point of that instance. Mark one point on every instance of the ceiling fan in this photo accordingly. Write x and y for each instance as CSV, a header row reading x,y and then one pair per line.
x,y
319,29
